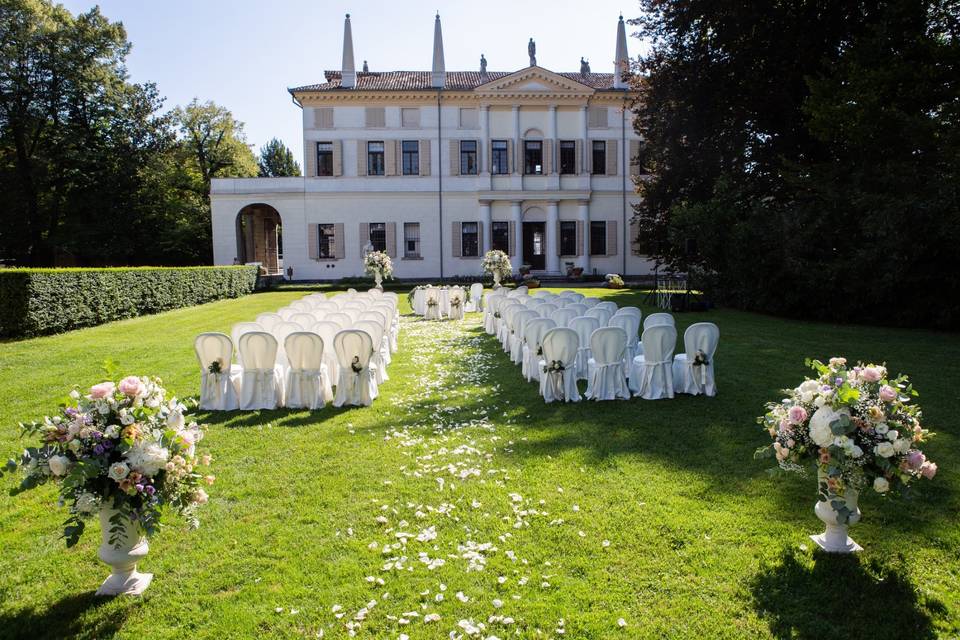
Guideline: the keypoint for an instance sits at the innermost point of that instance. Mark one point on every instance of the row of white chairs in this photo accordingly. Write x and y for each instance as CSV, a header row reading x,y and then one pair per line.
x,y
294,362
594,340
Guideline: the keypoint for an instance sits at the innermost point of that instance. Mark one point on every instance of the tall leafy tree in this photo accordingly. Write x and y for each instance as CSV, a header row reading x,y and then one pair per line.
x,y
803,155
277,161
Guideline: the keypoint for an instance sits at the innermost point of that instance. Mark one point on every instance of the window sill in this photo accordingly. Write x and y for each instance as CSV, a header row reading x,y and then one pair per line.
x,y
412,258
325,259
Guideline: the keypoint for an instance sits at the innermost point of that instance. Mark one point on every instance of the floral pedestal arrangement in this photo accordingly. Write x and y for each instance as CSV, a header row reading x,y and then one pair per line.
x,y
378,280
858,428
123,451
614,281
122,548
496,263
379,265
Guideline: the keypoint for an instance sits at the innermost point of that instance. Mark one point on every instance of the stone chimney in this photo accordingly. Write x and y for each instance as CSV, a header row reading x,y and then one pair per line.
x,y
621,65
438,78
348,73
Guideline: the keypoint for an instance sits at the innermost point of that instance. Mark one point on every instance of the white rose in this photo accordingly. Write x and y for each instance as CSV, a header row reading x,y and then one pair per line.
x,y
820,431
882,428
59,465
880,485
892,435
175,420
147,457
118,471
884,449
112,431
819,401
902,445
126,418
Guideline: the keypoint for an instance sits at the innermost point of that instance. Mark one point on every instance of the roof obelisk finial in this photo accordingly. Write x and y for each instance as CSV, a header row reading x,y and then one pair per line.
x,y
621,65
348,73
438,78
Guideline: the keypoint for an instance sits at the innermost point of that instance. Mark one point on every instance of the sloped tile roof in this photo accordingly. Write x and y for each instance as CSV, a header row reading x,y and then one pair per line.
x,y
456,80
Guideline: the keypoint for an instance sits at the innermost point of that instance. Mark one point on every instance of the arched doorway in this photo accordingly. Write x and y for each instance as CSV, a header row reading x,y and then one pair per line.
x,y
260,237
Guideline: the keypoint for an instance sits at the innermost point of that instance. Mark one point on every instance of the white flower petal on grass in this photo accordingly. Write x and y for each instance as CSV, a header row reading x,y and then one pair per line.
x,y
621,622
462,597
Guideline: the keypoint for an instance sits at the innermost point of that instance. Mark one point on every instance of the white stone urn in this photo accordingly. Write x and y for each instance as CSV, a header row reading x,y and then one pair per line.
x,y
378,279
835,539
130,548
496,279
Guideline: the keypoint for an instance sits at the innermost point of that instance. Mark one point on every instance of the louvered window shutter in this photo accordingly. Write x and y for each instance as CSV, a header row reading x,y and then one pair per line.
x,y
612,156
579,238
480,155
390,157
337,158
490,156
313,241
361,157
559,237
392,239
547,157
480,239
454,157
512,240
634,238
510,163
588,157
611,237
634,157
310,164
338,241
424,152
578,152
456,243
364,236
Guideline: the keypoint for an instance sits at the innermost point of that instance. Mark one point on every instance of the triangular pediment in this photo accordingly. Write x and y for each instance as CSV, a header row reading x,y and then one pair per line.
x,y
534,80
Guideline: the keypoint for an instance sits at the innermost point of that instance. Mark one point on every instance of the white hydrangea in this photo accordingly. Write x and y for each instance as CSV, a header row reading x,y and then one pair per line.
x,y
147,457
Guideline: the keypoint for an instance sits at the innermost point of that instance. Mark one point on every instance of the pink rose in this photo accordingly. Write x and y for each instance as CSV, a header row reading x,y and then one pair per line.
x,y
131,386
888,393
102,390
928,470
871,374
797,415
916,459
200,496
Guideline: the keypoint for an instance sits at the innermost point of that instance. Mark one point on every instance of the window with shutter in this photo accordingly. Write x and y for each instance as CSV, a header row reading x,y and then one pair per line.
x,y
568,157
339,240
469,239
376,117
323,118
325,159
378,235
325,241
568,238
410,118
598,158
611,157
612,238
499,165
468,157
598,238
598,118
424,157
469,118
500,236
411,240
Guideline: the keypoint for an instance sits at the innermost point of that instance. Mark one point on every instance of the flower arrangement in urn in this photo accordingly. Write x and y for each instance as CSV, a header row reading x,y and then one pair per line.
x,y
614,281
125,452
379,265
497,263
859,429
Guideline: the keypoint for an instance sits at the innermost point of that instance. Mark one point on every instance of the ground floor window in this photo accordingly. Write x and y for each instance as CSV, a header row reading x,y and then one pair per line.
x,y
598,238
325,234
568,238
500,236
378,236
469,240
411,240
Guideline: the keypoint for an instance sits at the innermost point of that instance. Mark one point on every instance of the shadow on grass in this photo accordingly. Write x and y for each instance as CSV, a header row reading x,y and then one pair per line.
x,y
837,596
78,615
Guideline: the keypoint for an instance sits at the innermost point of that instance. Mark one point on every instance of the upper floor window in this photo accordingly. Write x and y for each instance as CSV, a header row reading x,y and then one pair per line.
x,y
410,118
568,156
375,158
598,238
410,152
500,236
411,240
326,236
323,118
324,158
468,157
378,236
533,157
598,117
568,238
469,118
376,117
499,164
599,157
469,239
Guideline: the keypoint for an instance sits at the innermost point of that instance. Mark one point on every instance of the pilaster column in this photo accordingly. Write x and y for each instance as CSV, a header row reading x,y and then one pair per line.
x,y
583,215
486,231
517,143
584,151
484,151
553,237
552,136
516,214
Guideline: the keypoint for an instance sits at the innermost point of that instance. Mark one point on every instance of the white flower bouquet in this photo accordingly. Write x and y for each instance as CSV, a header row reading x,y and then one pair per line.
x,y
122,446
856,425
378,262
496,262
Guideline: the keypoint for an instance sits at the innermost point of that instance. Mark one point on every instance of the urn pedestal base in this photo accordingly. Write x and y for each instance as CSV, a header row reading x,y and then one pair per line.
x,y
836,541
835,538
129,584
130,548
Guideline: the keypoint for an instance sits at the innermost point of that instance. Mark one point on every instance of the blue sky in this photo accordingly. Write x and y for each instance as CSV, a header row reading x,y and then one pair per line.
x,y
243,54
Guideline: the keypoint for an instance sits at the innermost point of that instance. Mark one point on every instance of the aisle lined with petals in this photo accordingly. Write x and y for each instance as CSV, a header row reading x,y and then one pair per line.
x,y
459,447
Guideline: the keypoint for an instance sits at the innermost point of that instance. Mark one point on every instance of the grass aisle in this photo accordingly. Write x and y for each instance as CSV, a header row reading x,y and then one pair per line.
x,y
461,504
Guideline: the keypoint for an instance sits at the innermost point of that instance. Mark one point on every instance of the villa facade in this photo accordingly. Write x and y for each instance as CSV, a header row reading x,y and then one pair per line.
x,y
437,167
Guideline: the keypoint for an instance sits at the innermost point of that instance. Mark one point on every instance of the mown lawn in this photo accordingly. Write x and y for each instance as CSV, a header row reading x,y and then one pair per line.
x,y
551,521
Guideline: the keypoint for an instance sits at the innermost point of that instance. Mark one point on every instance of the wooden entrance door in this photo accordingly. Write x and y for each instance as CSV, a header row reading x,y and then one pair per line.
x,y
535,245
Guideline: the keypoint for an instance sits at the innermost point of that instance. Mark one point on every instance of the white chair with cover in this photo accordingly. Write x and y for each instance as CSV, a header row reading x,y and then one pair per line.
x,y
326,306
578,307
608,379
504,328
563,316
533,332
566,293
521,290
375,293
607,304
214,352
560,302
374,315
305,320
307,383
286,312
238,330
376,338
631,325
629,311
476,298
590,302
327,331
602,315
491,305
343,320
357,383
301,305
351,312
558,375
458,298
269,320
259,386
432,304
546,309
280,332
652,375
575,296
541,293
584,326
655,319
520,320
392,326
693,369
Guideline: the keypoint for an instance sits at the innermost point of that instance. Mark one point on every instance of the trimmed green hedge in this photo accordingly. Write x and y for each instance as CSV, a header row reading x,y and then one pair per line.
x,y
37,302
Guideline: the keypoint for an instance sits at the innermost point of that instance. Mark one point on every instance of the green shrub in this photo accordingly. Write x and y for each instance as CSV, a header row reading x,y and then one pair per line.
x,y
42,301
